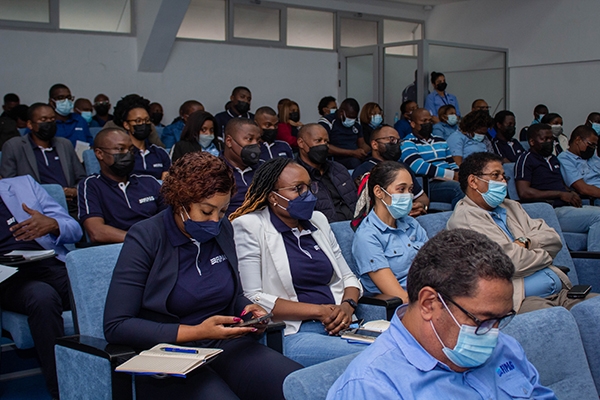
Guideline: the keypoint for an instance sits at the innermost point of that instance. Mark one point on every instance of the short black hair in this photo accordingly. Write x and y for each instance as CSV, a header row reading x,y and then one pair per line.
x,y
475,120
404,105
534,130
236,123
57,86
501,116
475,102
33,108
265,110
186,106
590,116
20,112
128,103
582,131
350,104
435,75
474,165
100,138
549,117
238,89
539,108
11,98
453,261
324,102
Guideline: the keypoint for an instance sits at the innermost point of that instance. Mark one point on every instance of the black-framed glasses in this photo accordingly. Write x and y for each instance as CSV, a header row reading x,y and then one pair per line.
x,y
496,175
484,326
140,121
119,150
391,139
61,98
592,145
302,189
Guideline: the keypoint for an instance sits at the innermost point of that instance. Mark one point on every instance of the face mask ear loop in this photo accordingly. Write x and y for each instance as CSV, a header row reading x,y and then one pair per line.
x,y
285,198
447,309
386,192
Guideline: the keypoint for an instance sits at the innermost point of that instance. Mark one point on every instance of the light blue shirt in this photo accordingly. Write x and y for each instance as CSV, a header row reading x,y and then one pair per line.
x,y
594,163
444,130
396,366
498,214
377,245
574,168
461,145
434,101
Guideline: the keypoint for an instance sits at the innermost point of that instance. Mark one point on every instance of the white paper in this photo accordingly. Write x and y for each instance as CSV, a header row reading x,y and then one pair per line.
x,y
80,147
32,255
6,272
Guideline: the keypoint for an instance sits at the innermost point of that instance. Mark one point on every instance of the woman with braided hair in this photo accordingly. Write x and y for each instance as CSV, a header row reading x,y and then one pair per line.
x,y
291,264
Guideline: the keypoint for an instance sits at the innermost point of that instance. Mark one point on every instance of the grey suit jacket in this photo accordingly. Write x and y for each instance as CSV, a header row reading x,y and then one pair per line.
x,y
18,159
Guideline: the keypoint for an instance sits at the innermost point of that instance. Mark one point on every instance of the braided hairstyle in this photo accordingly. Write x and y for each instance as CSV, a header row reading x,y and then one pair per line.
x,y
262,184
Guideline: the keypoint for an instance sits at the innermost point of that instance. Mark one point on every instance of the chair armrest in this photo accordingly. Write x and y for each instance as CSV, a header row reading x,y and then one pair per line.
x,y
274,333
383,300
594,255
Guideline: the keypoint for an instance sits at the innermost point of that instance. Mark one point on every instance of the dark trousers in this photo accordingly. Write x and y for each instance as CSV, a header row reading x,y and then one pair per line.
x,y
42,293
245,370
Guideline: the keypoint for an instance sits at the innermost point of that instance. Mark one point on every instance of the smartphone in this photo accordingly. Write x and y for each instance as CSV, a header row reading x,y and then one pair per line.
x,y
579,291
253,321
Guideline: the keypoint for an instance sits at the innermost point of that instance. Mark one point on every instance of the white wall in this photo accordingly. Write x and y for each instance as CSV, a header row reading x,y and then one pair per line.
x,y
553,50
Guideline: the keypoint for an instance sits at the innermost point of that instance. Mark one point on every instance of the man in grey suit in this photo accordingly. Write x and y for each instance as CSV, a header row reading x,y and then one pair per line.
x,y
48,159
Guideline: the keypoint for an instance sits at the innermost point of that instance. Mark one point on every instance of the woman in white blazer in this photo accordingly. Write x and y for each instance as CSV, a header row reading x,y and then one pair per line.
x,y
291,264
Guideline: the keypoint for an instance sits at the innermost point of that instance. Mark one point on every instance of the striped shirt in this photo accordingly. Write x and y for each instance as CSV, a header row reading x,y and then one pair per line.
x,y
430,158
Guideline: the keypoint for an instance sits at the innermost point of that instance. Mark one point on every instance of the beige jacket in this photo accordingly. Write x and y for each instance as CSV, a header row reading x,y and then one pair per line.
x,y
545,242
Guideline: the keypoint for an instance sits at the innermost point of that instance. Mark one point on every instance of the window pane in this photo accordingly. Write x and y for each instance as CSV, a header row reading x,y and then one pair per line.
x,y
93,15
204,19
358,32
308,28
250,22
400,31
25,10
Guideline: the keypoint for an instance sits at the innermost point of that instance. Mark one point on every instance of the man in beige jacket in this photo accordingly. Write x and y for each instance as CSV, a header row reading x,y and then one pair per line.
x,y
530,243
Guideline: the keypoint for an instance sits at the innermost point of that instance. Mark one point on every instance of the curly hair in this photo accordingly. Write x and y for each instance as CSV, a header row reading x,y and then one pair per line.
x,y
196,176
474,165
127,104
475,120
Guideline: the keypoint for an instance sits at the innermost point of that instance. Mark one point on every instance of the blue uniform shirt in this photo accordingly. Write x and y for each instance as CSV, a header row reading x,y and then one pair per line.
x,y
49,166
224,117
396,366
120,204
510,150
152,161
434,101
339,135
574,168
172,133
243,179
403,127
368,165
278,148
377,245
461,145
444,130
542,173
74,128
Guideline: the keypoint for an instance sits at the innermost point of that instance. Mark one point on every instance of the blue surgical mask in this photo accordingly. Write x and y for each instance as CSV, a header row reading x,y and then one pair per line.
x,y
205,140
471,350
332,110
348,122
540,117
401,204
87,115
301,208
596,127
376,120
64,107
478,137
452,119
495,194
201,231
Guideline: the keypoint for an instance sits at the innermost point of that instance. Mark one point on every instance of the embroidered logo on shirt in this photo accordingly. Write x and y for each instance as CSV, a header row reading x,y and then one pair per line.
x,y
158,165
505,368
146,199
56,158
354,130
11,221
317,248
78,129
218,259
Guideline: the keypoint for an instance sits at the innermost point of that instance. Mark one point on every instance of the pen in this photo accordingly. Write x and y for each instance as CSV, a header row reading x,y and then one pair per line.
x,y
179,350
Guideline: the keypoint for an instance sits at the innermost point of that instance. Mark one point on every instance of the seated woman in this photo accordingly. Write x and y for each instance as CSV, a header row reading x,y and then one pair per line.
x,y
387,240
561,141
176,281
371,118
327,105
291,264
473,138
198,135
289,123
132,113
448,122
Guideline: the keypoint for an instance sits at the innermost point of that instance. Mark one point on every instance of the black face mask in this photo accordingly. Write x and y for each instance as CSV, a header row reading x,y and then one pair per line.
x,y
242,107
441,86
318,154
509,132
391,152
426,130
294,116
250,154
46,131
156,118
587,153
269,135
142,131
123,164
546,149
102,109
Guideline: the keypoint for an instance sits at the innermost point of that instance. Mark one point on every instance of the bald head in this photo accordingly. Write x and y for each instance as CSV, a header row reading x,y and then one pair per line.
x,y
309,130
105,137
421,123
419,113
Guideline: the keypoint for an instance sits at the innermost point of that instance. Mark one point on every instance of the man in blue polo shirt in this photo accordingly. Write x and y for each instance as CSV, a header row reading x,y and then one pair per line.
x,y
538,178
172,133
242,154
267,121
346,142
446,343
237,107
69,125
112,201
504,143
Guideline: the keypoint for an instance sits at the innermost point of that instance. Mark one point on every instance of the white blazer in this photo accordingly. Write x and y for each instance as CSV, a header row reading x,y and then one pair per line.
x,y
264,266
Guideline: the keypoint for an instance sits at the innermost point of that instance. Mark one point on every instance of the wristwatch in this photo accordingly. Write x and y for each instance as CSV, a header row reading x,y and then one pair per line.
x,y
524,240
351,302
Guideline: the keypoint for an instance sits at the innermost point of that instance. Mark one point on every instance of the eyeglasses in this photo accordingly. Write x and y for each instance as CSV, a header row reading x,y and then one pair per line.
x,y
139,121
483,108
102,103
496,175
60,98
390,139
302,189
484,326
119,150
592,145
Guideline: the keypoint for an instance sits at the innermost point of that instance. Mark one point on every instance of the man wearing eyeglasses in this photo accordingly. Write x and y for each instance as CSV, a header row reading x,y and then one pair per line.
x,y
113,200
69,124
530,243
446,343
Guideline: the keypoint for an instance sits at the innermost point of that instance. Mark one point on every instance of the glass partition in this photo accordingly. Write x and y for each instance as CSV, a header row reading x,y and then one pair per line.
x,y
359,78
399,71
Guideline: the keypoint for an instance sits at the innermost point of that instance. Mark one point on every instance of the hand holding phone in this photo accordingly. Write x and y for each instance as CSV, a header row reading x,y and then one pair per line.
x,y
254,322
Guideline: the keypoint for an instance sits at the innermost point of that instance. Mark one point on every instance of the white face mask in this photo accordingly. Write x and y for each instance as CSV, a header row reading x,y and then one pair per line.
x,y
205,140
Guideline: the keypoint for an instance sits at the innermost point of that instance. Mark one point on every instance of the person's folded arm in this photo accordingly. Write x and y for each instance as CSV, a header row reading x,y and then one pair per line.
x,y
100,232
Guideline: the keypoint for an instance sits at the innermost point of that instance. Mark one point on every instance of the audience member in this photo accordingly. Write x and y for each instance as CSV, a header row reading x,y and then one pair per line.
x,y
156,114
242,154
472,137
102,107
237,107
429,156
388,239
84,108
198,135
11,100
539,112
371,118
154,138
439,97
8,126
113,200
410,92
327,105
593,121
336,196
575,170
19,114
448,122
172,133
447,342
40,289
69,125
538,178
504,143
176,281
346,143
561,142
292,265
289,123
267,121
480,105
403,124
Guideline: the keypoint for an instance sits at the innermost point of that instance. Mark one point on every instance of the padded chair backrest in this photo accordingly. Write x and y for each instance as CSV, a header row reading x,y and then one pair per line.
x,y
509,170
525,144
90,271
92,166
57,193
587,315
94,131
552,343
434,223
159,130
344,235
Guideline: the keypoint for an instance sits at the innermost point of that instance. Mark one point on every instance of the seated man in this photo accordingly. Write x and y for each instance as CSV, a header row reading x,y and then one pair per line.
x,y
385,145
11,100
172,133
504,144
539,112
574,162
480,105
267,121
530,243
46,158
238,106
242,154
336,197
113,200
347,145
40,289
445,344
403,125
429,156
538,178
84,108
156,114
69,125
8,124
593,121
102,107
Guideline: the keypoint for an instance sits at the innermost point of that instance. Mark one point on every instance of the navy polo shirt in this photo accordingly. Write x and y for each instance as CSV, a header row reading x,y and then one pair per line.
x,y
310,267
243,179
339,135
120,204
368,165
74,128
48,163
204,285
510,150
542,173
152,161
278,148
223,118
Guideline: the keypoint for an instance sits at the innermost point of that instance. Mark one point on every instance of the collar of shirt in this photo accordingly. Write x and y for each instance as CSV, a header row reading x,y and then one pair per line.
x,y
70,119
401,223
236,169
548,160
237,116
413,138
35,146
130,179
570,154
176,237
500,212
281,227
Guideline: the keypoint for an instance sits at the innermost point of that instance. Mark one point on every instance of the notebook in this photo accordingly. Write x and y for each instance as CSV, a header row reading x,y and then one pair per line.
x,y
366,333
